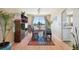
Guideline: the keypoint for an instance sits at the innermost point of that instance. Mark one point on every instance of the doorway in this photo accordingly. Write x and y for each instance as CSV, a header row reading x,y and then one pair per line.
x,y
40,34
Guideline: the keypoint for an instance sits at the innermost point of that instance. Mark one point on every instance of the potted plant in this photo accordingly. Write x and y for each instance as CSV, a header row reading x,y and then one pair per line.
x,y
5,17
76,45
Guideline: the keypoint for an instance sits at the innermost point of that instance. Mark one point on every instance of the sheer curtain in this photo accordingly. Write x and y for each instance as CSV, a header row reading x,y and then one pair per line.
x,y
30,18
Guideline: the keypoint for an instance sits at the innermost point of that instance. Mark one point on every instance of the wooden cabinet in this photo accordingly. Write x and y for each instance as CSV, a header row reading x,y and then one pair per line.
x,y
17,34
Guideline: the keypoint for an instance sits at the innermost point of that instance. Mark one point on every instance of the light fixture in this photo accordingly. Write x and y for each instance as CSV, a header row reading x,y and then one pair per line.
x,y
38,11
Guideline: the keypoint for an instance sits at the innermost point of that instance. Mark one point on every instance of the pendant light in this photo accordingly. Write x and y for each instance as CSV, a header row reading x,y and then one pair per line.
x,y
38,11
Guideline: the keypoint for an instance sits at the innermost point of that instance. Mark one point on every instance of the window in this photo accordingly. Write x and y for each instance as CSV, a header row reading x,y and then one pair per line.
x,y
70,20
38,19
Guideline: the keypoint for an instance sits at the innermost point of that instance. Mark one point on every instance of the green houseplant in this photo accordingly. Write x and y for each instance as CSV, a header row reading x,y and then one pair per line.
x,y
75,35
5,17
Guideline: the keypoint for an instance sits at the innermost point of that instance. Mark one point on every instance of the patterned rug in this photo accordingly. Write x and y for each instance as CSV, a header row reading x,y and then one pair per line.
x,y
32,42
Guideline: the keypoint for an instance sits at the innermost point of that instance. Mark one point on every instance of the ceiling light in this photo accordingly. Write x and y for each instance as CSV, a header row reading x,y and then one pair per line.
x,y
38,11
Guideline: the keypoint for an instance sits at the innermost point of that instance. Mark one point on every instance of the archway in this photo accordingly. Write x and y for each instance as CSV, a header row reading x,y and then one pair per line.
x,y
40,31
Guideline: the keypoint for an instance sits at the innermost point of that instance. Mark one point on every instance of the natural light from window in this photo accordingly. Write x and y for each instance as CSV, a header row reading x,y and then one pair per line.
x,y
40,19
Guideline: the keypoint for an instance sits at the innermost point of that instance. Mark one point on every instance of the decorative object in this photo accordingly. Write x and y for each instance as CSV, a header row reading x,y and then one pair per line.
x,y
29,28
17,34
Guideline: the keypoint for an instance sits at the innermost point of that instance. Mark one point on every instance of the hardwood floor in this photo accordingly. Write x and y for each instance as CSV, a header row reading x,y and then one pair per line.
x,y
34,43
23,45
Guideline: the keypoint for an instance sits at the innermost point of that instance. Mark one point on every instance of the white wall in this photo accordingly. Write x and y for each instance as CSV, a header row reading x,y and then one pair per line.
x,y
56,24
76,20
56,27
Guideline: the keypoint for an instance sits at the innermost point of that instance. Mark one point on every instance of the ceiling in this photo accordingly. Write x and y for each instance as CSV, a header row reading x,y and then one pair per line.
x,y
42,11
34,11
